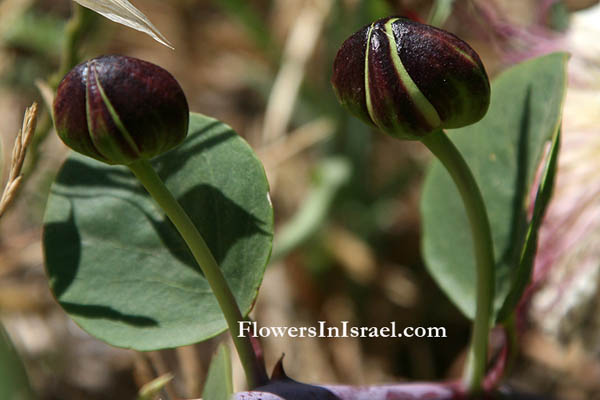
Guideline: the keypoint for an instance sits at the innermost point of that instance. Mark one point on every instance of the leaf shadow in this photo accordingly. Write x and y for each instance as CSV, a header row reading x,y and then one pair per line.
x,y
105,312
83,171
62,261
172,161
220,221
78,173
518,225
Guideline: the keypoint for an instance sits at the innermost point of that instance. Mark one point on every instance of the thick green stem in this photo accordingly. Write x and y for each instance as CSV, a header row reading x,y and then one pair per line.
x,y
448,154
255,371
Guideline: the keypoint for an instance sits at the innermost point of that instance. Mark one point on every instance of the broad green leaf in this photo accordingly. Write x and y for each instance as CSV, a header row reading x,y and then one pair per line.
x,y
123,12
14,384
522,275
503,150
118,266
219,382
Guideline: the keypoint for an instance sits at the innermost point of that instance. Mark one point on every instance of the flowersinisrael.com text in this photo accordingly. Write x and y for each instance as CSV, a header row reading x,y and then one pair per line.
x,y
344,330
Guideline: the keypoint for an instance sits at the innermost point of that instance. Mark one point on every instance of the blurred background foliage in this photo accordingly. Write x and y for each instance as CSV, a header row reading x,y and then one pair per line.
x,y
346,200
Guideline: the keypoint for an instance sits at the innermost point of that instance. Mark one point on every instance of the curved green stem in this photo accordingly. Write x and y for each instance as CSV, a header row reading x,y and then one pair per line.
x,y
448,154
254,369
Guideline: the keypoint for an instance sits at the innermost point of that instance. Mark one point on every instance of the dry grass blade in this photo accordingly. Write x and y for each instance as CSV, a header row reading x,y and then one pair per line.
x,y
123,12
302,138
18,157
300,44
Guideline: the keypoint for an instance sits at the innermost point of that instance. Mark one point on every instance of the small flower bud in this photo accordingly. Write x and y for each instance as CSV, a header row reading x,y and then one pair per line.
x,y
410,79
119,109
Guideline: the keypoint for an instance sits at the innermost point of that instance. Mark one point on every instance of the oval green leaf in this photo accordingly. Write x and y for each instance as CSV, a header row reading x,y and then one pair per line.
x,y
119,268
504,150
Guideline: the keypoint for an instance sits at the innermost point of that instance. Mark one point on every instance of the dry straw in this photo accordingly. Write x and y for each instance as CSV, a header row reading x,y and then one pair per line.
x,y
18,157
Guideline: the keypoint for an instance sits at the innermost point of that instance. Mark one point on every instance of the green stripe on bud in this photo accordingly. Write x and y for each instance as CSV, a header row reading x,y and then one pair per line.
x,y
117,120
422,104
366,78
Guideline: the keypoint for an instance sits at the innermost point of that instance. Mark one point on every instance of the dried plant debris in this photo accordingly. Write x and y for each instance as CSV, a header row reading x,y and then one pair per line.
x,y
123,12
18,157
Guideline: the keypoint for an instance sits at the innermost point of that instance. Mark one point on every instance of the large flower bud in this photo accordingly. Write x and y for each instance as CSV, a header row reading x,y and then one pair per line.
x,y
410,79
120,109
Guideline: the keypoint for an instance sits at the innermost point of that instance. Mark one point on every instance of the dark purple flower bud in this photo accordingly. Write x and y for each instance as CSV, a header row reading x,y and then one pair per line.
x,y
410,79
120,109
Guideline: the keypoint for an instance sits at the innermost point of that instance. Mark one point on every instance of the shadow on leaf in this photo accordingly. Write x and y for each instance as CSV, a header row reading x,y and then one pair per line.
x,y
105,312
92,174
62,261
79,171
221,222
518,226
172,161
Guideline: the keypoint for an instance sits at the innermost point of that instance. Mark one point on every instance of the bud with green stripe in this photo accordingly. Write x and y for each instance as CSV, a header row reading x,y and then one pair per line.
x,y
119,110
410,79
